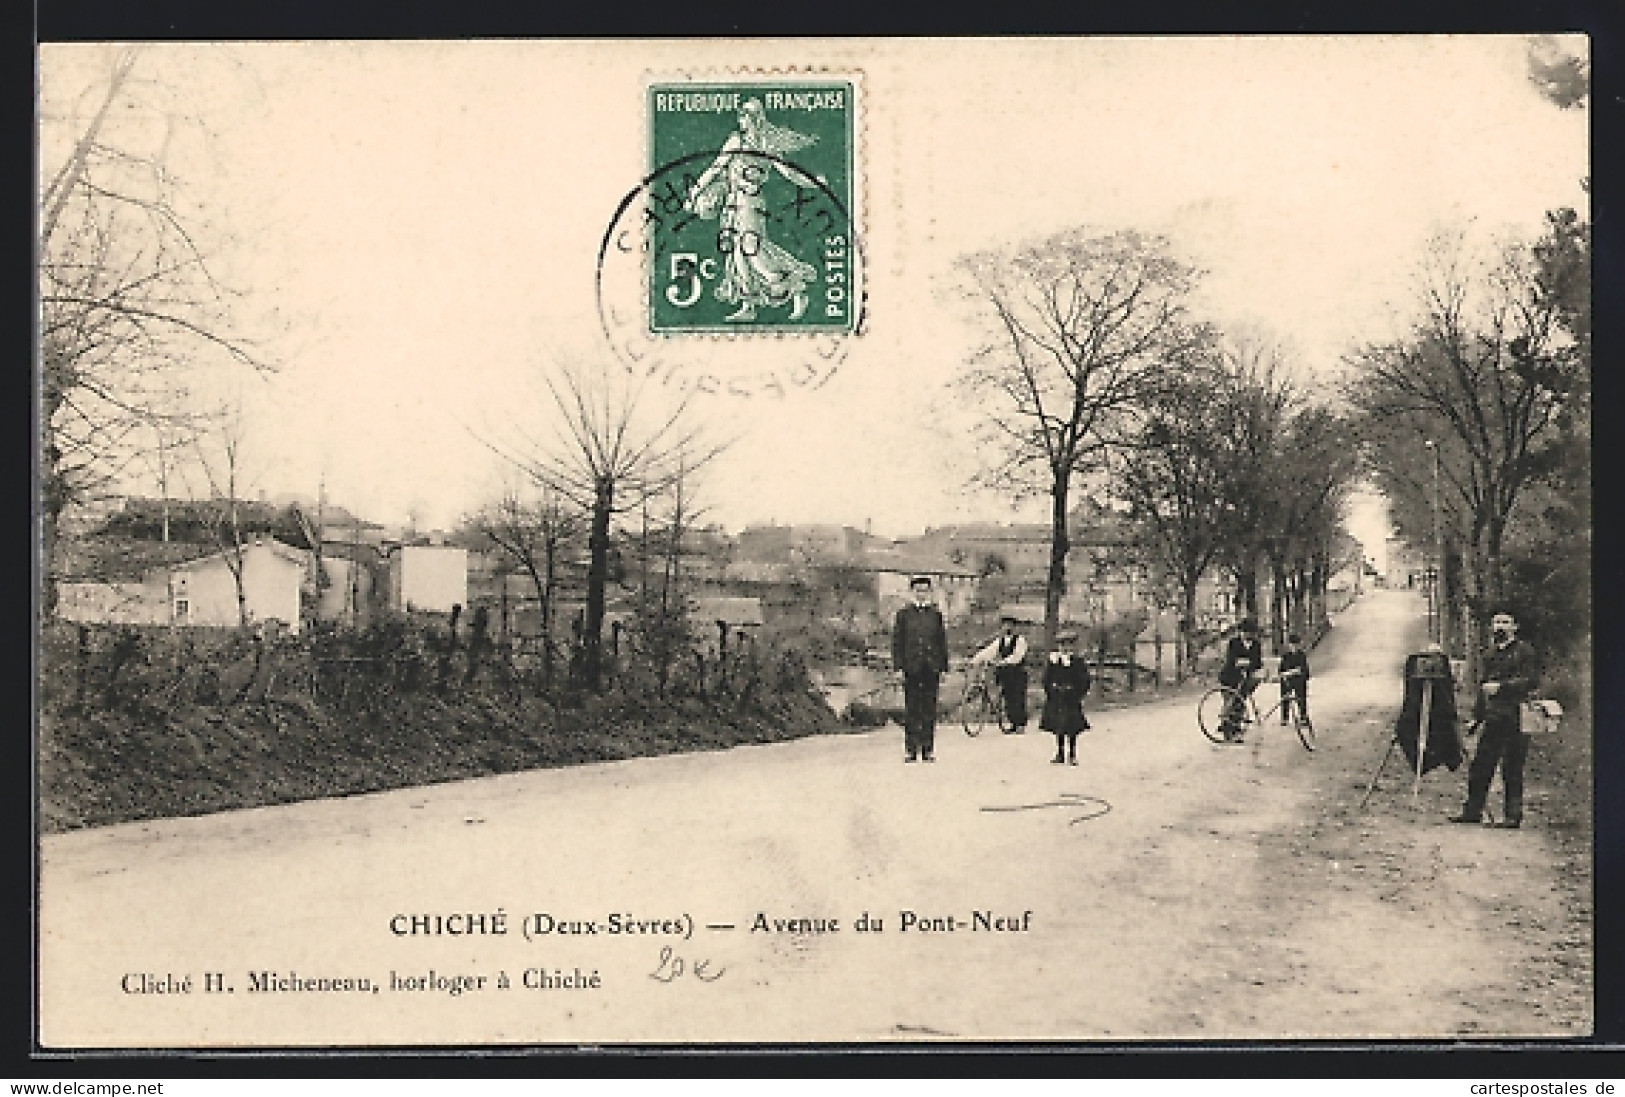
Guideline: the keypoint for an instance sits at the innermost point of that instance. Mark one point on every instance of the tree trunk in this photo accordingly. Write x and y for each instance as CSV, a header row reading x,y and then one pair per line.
x,y
550,584
1186,657
67,181
1451,601
1060,544
54,491
1279,625
1247,589
1494,588
592,644
1470,605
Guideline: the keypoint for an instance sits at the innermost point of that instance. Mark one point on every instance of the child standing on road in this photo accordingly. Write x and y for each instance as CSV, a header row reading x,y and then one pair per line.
x,y
1294,674
1066,680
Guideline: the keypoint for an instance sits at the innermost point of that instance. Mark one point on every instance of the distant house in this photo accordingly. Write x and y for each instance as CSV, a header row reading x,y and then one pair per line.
x,y
430,578
204,591
1407,564
1019,550
760,571
734,612
953,585
804,544
112,603
198,590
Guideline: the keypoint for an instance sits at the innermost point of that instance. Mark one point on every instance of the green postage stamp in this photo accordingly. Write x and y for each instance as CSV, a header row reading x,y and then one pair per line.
x,y
751,206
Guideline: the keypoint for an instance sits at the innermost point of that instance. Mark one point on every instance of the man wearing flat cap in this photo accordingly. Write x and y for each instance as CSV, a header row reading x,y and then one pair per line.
x,y
1510,675
1007,653
919,649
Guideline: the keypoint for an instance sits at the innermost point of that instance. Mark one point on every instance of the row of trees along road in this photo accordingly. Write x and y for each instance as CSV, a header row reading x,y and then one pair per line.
x,y
1097,373
1495,374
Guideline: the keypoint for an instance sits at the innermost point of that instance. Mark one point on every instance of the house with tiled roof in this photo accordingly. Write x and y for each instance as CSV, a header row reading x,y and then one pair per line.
x,y
953,584
133,582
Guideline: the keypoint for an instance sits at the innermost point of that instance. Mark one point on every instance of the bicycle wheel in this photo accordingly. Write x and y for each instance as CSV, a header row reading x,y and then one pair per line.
x,y
972,708
995,704
1305,730
1211,709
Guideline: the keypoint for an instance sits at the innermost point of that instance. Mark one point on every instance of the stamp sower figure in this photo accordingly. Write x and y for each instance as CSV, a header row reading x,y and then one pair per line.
x,y
1066,680
756,272
1294,672
1008,653
919,649
1509,676
1243,659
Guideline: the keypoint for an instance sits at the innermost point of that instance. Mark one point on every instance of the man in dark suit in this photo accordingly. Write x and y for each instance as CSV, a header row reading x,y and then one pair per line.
x,y
1510,675
919,648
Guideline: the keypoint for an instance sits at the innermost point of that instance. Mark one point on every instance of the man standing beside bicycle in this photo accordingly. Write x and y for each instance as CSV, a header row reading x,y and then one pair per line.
x,y
1007,654
1243,662
1294,674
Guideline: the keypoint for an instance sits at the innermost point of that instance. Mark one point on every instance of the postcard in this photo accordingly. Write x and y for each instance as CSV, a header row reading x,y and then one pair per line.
x,y
1061,541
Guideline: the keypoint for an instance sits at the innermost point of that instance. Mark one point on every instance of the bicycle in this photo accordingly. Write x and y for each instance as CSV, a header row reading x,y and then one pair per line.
x,y
1211,709
983,703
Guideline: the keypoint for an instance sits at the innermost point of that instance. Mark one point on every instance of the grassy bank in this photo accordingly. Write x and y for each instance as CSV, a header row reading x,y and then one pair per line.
x,y
156,732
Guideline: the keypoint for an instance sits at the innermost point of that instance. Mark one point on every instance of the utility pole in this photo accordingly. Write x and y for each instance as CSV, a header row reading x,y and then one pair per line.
x,y
1435,598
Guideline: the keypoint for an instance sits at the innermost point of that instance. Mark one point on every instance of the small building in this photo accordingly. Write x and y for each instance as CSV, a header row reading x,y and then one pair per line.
x,y
112,603
712,616
1157,647
430,578
1408,564
804,544
953,585
199,589
204,591
735,612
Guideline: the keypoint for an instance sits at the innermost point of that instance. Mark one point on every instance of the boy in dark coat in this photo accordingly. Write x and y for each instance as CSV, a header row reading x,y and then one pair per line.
x,y
1294,674
1066,680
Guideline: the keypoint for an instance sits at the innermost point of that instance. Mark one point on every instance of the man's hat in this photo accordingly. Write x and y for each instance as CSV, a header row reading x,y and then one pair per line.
x,y
1010,619
1248,624
920,580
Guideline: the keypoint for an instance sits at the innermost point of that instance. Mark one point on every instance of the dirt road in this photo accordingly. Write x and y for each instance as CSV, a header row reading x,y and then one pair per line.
x,y
1166,888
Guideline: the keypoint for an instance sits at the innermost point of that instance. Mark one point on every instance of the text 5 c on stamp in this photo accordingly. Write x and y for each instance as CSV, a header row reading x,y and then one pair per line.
x,y
750,213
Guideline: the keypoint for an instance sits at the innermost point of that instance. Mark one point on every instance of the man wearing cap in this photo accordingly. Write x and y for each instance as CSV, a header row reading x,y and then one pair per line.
x,y
1509,676
919,649
1243,659
1008,653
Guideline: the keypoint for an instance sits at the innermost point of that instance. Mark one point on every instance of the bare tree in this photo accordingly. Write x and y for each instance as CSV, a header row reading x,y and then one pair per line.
x,y
1252,404
130,304
220,454
1317,464
1173,484
1081,328
615,444
538,536
1490,371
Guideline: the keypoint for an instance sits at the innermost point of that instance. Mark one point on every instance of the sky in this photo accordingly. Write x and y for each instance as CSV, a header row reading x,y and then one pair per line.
x,y
419,223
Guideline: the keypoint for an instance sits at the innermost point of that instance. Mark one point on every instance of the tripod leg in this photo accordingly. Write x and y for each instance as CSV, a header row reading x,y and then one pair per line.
x,y
1372,784
1422,737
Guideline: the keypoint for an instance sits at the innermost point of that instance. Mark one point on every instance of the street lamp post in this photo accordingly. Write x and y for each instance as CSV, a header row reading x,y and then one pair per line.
x,y
1436,602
